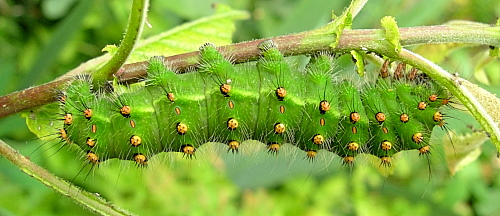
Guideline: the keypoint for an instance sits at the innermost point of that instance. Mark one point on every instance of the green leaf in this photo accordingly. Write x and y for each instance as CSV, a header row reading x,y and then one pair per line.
x,y
391,32
217,29
111,49
360,62
44,121
462,150
339,25
342,22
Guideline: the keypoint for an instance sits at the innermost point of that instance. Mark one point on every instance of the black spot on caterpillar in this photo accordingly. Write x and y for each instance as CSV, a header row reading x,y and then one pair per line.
x,y
219,102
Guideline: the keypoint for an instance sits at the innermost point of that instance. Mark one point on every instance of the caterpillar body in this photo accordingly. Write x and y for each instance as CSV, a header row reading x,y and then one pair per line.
x,y
220,102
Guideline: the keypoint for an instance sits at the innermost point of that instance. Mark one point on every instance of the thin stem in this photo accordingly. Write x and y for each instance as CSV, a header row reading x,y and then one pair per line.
x,y
135,25
87,199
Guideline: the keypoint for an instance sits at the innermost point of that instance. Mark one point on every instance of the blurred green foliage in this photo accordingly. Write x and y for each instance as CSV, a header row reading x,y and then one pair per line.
x,y
41,40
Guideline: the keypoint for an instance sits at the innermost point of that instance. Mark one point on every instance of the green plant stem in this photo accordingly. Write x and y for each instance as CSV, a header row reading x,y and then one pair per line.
x,y
135,25
87,199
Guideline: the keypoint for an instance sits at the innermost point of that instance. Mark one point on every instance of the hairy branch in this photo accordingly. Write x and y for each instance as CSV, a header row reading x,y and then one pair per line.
x,y
295,44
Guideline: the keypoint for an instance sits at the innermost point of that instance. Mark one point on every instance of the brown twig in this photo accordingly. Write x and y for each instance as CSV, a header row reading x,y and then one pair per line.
x,y
295,44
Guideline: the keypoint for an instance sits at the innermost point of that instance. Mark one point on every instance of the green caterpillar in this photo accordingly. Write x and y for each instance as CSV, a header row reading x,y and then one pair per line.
x,y
221,102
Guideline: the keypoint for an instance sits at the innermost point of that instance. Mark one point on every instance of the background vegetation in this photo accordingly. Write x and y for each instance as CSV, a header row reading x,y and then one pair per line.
x,y
41,40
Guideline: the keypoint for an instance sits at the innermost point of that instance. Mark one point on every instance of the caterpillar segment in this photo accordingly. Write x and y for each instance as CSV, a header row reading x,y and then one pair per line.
x,y
231,96
133,121
182,122
320,112
417,98
413,124
280,104
383,141
353,124
411,133
271,101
